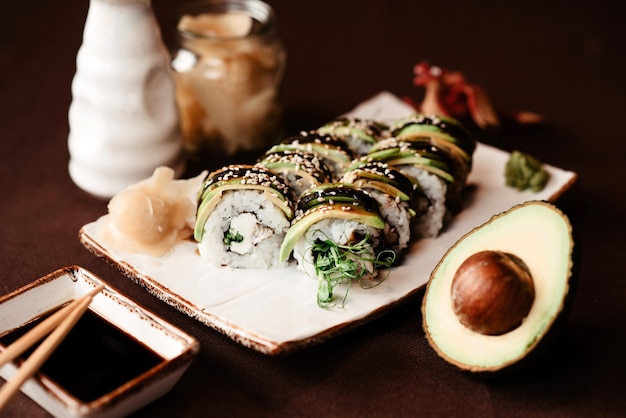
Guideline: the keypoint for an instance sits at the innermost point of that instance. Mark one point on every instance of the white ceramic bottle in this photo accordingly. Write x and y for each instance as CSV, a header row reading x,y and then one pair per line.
x,y
123,118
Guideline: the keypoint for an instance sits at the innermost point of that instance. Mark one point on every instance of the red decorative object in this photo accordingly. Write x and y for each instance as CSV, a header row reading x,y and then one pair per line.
x,y
449,93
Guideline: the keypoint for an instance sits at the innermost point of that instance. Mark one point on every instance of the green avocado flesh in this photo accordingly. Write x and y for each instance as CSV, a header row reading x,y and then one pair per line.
x,y
321,149
541,236
373,183
397,157
282,167
347,131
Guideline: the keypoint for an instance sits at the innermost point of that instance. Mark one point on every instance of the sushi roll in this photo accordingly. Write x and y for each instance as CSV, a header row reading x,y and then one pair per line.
x,y
301,169
457,167
399,199
359,134
431,170
242,216
336,237
333,151
443,135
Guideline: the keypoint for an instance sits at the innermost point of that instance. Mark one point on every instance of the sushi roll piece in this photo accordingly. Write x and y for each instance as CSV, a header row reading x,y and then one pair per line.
x,y
359,134
242,216
333,151
432,171
459,167
336,237
399,199
447,135
301,169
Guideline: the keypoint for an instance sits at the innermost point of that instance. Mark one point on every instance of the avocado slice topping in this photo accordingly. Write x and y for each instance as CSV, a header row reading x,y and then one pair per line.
x,y
396,157
442,127
343,131
323,150
336,210
330,193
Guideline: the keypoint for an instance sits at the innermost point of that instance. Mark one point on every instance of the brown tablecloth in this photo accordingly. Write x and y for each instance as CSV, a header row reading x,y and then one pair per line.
x,y
564,60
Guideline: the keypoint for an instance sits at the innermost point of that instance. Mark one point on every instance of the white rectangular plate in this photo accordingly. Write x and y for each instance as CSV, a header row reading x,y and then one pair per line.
x,y
275,311
54,290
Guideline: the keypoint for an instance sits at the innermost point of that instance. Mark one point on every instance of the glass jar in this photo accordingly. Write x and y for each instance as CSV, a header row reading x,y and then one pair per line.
x,y
228,71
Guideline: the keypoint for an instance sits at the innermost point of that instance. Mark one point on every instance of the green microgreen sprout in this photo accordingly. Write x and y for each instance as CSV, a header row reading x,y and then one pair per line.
x,y
232,236
340,264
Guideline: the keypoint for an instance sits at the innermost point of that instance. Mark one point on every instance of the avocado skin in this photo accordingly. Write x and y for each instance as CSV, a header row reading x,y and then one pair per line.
x,y
543,348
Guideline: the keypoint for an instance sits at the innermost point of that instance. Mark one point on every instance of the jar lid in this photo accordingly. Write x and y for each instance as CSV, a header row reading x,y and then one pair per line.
x,y
225,19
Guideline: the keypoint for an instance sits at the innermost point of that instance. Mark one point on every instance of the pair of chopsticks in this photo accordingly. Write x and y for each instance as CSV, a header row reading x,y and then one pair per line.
x,y
58,326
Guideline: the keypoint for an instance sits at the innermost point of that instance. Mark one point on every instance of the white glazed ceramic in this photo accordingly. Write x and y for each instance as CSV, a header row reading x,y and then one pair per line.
x,y
275,311
48,293
123,117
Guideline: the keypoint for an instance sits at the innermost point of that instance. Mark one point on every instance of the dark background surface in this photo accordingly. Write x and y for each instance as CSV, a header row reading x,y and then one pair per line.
x,y
563,60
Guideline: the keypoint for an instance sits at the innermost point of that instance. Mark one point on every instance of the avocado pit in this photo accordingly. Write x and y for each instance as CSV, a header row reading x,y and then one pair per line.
x,y
492,292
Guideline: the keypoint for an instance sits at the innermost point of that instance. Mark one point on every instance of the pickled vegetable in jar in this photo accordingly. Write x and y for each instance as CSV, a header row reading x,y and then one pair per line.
x,y
228,73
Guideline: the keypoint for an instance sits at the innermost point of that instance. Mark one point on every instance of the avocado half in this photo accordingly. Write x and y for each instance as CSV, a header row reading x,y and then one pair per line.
x,y
538,234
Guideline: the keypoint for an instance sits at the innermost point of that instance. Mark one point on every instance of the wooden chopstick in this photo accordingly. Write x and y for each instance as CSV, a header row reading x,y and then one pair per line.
x,y
42,329
65,318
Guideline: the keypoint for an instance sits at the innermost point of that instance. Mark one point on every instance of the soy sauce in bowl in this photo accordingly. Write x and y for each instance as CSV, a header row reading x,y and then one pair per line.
x,y
94,359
